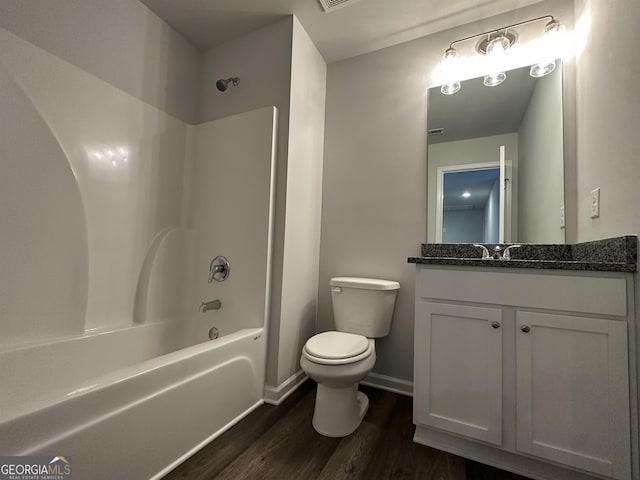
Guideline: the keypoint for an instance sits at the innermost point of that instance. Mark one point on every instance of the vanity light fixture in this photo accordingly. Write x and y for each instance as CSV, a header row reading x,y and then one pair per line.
x,y
494,47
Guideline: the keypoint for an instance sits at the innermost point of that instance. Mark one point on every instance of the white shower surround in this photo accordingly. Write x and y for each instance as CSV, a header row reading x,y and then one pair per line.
x,y
122,377
156,384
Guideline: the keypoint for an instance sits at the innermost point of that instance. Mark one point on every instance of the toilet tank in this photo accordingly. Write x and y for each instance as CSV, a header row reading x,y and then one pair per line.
x,y
363,305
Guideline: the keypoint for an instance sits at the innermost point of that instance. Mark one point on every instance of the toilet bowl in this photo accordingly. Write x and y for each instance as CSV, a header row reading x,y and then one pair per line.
x,y
339,360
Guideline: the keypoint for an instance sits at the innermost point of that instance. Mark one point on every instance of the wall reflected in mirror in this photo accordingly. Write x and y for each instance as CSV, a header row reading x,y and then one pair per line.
x,y
495,161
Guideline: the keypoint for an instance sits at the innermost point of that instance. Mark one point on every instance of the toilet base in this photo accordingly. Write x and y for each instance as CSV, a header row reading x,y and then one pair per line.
x,y
339,411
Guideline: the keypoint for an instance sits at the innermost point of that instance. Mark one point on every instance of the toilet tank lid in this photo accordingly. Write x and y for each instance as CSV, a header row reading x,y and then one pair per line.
x,y
364,283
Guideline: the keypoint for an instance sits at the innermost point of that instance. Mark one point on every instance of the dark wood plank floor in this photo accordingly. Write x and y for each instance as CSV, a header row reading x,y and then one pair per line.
x,y
279,443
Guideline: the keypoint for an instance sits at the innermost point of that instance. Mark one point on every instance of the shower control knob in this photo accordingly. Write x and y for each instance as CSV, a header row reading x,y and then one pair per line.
x,y
219,269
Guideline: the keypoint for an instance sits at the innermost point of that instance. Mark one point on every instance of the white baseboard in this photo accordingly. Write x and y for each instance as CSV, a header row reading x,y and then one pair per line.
x,y
276,395
392,384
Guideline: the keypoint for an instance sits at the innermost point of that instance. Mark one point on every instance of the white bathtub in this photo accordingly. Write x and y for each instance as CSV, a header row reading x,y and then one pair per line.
x,y
139,403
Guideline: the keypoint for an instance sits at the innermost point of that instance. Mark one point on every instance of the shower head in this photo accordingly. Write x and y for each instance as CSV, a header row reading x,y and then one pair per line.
x,y
222,84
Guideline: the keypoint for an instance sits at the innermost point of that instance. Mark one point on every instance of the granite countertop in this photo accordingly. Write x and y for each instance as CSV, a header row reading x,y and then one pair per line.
x,y
618,254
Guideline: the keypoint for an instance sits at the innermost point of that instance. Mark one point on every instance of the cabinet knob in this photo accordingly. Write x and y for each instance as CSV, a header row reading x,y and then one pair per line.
x,y
525,328
495,324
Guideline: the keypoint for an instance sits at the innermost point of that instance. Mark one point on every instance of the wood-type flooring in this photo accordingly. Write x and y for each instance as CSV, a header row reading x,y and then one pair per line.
x,y
279,443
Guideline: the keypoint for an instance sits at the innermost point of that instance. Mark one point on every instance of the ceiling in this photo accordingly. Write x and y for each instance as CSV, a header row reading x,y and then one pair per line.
x,y
360,27
479,111
477,182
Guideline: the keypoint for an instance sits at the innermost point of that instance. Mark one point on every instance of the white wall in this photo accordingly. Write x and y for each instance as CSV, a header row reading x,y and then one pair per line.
x,y
608,144
540,166
304,199
463,152
492,215
374,181
121,42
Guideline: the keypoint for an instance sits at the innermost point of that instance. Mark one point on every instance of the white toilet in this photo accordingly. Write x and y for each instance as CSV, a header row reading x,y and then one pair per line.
x,y
339,360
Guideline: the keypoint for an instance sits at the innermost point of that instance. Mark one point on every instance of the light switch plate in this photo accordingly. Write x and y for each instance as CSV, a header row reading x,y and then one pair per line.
x,y
562,220
595,203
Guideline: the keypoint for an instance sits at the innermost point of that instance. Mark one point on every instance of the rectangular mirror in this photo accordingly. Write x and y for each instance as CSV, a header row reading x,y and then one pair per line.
x,y
496,161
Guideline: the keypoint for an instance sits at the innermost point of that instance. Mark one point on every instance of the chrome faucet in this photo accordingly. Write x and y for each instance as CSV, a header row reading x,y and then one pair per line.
x,y
212,305
485,251
498,252
506,255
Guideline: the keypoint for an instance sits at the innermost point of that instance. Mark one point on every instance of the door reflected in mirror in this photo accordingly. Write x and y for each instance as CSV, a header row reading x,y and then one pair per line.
x,y
495,161
471,205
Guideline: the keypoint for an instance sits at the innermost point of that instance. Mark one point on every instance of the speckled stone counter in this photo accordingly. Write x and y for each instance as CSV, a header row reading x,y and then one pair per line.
x,y
618,254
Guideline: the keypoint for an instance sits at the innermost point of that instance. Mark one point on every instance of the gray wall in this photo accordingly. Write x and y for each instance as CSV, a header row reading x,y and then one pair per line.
x,y
540,167
279,65
608,115
121,42
298,300
463,226
375,172
262,60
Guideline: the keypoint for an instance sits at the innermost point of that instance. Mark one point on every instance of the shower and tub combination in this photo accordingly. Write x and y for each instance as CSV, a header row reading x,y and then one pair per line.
x,y
126,207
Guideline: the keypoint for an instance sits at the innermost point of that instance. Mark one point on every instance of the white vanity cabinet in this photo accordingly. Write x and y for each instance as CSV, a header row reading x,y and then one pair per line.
x,y
458,386
526,370
572,391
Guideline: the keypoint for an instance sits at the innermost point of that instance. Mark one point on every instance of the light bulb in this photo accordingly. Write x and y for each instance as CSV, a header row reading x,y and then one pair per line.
x,y
466,194
450,54
494,79
553,29
450,88
449,69
498,46
496,50
541,69
549,45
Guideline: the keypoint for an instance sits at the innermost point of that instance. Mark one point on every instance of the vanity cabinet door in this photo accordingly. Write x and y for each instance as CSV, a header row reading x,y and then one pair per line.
x,y
572,392
458,370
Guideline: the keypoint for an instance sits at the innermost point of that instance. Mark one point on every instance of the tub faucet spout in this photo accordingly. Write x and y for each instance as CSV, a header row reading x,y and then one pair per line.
x,y
212,305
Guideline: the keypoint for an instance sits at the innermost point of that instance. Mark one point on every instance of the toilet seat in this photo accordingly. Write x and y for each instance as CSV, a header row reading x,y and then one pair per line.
x,y
337,348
